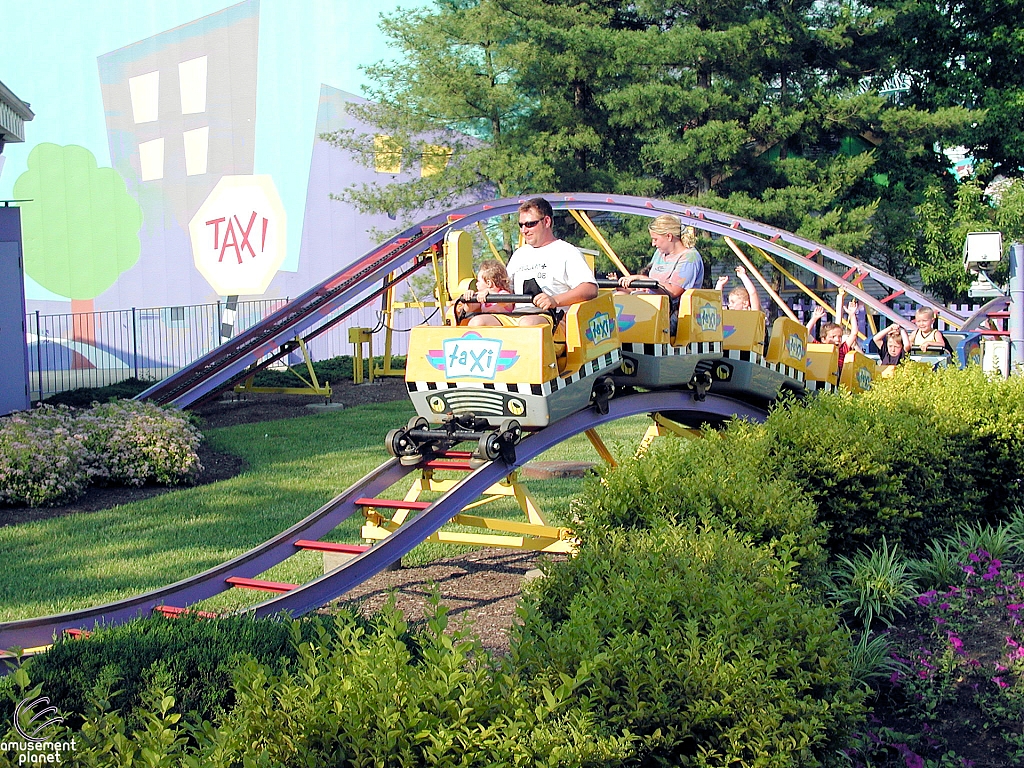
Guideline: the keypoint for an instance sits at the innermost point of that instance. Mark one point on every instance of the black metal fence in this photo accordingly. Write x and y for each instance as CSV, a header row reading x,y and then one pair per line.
x,y
95,349
68,351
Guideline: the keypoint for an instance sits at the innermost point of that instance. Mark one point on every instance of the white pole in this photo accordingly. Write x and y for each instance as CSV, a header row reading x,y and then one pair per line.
x,y
1016,307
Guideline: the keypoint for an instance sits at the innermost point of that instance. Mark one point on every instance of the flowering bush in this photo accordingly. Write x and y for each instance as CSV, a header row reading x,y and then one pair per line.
x,y
963,661
49,456
132,443
42,458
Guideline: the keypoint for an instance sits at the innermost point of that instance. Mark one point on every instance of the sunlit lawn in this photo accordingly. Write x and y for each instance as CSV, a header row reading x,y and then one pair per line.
x,y
295,466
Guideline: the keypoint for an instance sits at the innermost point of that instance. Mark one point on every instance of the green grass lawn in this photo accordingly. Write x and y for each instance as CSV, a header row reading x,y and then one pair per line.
x,y
295,466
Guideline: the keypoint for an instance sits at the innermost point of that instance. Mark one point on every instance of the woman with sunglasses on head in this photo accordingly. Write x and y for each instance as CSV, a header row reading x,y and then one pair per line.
x,y
676,264
559,269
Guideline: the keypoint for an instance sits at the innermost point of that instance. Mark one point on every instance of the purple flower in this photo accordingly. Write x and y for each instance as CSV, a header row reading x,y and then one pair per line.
x,y
911,758
1000,682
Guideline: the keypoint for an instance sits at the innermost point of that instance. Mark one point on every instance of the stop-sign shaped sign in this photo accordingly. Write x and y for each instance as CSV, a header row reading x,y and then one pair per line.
x,y
238,235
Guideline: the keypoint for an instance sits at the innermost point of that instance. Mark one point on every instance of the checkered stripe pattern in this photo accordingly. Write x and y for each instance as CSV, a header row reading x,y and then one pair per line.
x,y
756,359
588,369
821,386
667,350
785,370
745,355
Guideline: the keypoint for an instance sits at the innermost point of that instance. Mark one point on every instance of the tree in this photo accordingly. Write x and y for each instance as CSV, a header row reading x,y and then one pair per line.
x,y
455,86
944,228
967,53
81,227
769,109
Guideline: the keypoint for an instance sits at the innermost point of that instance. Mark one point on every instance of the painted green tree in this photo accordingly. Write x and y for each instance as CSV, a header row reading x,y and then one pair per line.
x,y
80,227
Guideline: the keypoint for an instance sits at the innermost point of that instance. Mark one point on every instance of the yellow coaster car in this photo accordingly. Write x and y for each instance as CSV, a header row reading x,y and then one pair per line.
x,y
499,373
656,358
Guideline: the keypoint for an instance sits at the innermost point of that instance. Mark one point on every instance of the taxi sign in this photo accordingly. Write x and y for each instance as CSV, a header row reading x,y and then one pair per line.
x,y
238,235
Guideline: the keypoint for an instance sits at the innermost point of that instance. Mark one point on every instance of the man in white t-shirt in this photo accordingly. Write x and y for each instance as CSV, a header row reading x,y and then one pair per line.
x,y
561,272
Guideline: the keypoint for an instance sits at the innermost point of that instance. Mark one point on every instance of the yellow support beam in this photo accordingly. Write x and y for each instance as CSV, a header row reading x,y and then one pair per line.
x,y
312,385
490,243
662,427
601,448
761,279
536,533
592,230
358,337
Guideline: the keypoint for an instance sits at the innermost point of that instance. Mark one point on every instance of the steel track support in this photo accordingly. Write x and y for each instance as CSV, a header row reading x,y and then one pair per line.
x,y
536,532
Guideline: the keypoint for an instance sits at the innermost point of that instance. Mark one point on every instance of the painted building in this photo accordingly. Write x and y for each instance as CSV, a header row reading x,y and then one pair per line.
x,y
174,152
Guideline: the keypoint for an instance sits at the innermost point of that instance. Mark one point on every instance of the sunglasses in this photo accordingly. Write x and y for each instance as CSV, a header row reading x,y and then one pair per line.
x,y
530,224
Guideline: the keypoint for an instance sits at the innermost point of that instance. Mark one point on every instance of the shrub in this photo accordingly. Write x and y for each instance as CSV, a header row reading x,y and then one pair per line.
x,y
698,643
919,453
83,397
196,657
356,697
42,458
132,443
363,699
50,455
718,479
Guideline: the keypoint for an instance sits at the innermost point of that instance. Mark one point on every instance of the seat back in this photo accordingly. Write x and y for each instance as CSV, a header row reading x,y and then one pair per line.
x,y
859,371
590,332
787,344
700,317
822,363
642,318
743,329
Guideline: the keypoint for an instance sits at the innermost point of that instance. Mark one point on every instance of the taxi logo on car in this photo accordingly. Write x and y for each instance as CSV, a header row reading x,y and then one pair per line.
x,y
708,317
472,356
600,328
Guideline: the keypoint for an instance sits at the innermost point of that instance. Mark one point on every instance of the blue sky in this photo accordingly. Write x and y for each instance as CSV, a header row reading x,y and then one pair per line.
x,y
302,44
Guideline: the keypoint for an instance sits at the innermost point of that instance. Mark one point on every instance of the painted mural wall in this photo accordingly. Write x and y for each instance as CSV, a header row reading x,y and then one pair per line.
x,y
174,158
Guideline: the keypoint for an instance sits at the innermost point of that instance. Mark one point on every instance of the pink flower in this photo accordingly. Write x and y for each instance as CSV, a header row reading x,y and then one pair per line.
x,y
1000,682
956,642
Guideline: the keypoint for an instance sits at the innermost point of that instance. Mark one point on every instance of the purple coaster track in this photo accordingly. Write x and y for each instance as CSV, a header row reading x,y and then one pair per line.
x,y
307,315
310,596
